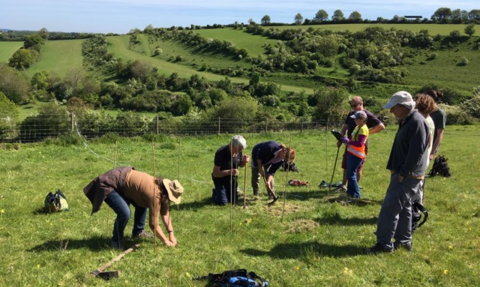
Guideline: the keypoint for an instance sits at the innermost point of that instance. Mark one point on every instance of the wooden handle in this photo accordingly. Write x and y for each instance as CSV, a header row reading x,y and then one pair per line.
x,y
108,264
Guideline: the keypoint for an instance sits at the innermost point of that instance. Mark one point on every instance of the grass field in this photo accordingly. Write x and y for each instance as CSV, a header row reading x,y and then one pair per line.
x,y
252,43
7,49
434,29
59,57
306,239
119,47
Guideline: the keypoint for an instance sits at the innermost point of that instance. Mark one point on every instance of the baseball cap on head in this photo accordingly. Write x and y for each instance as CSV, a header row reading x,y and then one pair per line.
x,y
359,115
400,98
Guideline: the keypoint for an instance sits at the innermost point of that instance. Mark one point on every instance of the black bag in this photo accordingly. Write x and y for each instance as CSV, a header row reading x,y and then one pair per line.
x,y
440,166
417,211
235,278
289,166
55,202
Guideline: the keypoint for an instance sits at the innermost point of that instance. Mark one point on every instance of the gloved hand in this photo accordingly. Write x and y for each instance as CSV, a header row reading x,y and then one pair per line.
x,y
345,140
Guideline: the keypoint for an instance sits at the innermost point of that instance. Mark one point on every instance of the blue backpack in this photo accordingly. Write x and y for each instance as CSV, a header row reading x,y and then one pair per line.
x,y
235,278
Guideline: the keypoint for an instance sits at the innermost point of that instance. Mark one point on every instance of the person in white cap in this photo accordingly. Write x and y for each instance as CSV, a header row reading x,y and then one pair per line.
x,y
123,186
407,165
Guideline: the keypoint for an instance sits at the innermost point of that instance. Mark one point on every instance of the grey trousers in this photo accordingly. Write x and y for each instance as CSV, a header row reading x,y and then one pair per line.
x,y
395,219
256,181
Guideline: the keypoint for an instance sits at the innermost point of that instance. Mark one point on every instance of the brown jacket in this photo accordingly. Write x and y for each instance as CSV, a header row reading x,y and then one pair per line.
x,y
98,189
136,186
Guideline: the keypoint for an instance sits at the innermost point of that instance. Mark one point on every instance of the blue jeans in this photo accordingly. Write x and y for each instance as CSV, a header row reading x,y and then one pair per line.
x,y
121,206
353,163
222,192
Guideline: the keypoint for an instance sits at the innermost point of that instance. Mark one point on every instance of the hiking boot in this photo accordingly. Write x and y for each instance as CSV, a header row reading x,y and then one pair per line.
x,y
378,248
117,245
143,235
407,245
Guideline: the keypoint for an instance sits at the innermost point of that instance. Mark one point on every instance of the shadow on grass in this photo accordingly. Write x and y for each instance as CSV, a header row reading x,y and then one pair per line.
x,y
337,220
296,250
193,205
95,243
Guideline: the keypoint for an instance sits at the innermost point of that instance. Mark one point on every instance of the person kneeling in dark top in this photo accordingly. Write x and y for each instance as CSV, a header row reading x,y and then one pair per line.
x,y
228,159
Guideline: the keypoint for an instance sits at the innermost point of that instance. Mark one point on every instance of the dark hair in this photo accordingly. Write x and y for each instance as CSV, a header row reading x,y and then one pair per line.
x,y
436,95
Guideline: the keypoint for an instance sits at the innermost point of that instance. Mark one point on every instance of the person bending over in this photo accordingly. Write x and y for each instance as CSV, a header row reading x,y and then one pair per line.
x,y
123,186
267,158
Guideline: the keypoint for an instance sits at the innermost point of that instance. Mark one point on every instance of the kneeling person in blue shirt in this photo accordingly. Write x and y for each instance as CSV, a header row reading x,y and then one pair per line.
x,y
227,160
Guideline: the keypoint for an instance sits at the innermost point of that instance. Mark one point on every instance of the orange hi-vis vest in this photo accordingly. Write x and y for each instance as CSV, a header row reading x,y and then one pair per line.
x,y
358,151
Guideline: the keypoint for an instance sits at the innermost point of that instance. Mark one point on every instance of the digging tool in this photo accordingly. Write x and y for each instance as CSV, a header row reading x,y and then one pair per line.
x,y
270,192
334,168
107,275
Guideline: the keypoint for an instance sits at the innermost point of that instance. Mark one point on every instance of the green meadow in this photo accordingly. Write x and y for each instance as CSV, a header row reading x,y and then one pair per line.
x,y
308,238
7,49
434,29
60,57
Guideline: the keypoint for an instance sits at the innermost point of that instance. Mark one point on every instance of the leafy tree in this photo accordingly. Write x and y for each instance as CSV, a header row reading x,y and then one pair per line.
x,y
34,41
474,14
459,16
321,16
43,33
298,19
23,58
442,14
265,20
355,16
237,110
181,106
455,35
330,104
338,16
470,30
14,85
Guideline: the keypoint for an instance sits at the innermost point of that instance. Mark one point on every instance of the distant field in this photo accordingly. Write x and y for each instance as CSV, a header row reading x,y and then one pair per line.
x,y
7,49
60,57
434,29
119,48
252,43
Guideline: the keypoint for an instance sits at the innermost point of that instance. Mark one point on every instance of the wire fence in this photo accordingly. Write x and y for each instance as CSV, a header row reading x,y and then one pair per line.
x,y
41,127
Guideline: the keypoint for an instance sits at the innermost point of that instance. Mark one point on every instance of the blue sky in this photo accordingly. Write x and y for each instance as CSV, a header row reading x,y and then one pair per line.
x,y
120,16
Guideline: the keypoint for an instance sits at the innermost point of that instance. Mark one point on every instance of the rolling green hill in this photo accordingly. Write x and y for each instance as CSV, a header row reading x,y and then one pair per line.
x,y
120,49
453,65
60,57
7,49
434,29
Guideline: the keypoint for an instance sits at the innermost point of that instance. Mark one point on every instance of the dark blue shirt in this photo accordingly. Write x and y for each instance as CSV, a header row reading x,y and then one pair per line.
x,y
265,152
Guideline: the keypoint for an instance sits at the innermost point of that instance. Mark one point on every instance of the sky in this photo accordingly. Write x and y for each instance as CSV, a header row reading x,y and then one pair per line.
x,y
121,16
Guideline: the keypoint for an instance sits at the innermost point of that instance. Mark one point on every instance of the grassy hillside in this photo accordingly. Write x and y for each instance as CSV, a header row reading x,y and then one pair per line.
x,y
59,57
252,43
120,48
7,49
434,29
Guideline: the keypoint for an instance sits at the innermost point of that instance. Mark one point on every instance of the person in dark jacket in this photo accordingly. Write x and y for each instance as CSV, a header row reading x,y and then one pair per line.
x,y
123,186
407,165
267,158
228,159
